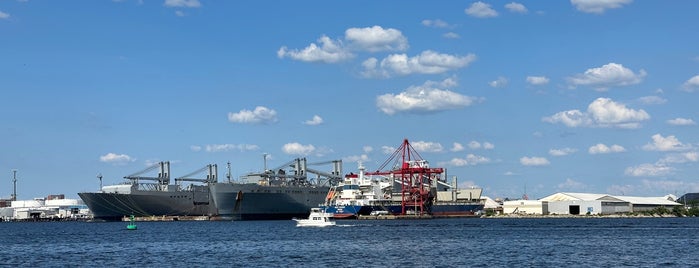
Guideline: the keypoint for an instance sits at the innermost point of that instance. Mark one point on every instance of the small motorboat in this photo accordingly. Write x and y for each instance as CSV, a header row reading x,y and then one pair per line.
x,y
317,218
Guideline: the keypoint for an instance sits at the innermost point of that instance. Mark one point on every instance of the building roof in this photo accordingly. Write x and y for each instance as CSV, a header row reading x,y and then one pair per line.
x,y
635,200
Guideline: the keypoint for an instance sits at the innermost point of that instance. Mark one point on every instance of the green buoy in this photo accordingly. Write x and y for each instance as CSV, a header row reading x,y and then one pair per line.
x,y
132,224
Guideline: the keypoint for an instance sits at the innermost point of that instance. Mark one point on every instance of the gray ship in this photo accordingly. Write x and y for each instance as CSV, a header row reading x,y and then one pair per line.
x,y
277,194
281,193
145,196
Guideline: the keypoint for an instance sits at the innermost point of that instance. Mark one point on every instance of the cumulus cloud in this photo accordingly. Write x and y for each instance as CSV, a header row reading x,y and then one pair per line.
x,y
426,98
387,149
534,161
356,158
609,75
329,51
451,35
470,160
371,39
296,148
477,145
692,84
602,112
516,8
182,3
652,100
666,144
116,159
562,151
261,115
424,146
598,6
604,149
571,184
457,147
436,23
679,158
376,38
537,80
367,149
499,83
481,10
681,122
427,62
215,148
4,15
316,120
649,170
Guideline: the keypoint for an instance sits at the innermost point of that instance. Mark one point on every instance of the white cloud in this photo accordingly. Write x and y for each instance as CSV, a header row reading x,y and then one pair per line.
x,y
427,62
4,15
457,147
609,75
692,84
116,158
537,80
182,3
679,158
598,6
562,151
648,170
316,120
602,112
499,83
179,13
296,148
477,145
436,23
195,148
516,7
666,144
367,149
451,35
356,158
571,184
534,161
681,122
215,148
387,149
481,10
376,38
652,100
261,114
470,160
431,147
329,52
424,99
604,149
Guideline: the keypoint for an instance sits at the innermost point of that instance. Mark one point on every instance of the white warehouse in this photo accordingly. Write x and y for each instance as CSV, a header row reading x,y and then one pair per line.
x,y
586,203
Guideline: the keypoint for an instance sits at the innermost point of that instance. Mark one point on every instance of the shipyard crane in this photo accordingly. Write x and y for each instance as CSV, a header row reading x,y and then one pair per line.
x,y
163,174
211,175
415,175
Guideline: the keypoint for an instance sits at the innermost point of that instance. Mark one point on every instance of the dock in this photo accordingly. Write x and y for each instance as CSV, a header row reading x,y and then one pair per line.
x,y
168,218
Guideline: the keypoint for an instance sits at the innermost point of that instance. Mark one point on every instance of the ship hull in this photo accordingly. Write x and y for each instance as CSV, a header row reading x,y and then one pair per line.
x,y
114,206
438,209
235,201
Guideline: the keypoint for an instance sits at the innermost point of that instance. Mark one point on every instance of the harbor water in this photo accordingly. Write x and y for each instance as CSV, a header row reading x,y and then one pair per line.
x,y
492,242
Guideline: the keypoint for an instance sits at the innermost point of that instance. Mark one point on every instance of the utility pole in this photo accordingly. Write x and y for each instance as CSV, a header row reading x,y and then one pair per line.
x,y
14,185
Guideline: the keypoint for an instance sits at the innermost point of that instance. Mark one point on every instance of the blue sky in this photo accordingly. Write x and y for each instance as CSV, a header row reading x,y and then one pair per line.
x,y
536,96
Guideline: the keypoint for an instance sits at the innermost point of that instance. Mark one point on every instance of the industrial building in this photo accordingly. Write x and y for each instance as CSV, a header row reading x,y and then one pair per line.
x,y
588,204
53,207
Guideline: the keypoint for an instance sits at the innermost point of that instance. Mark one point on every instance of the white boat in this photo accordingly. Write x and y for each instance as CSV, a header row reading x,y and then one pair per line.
x,y
317,218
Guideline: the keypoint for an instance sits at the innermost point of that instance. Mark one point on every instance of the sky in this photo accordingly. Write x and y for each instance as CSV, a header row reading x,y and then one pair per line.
x,y
525,97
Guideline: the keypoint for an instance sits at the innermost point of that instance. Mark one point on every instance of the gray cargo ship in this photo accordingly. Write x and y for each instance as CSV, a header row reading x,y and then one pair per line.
x,y
280,193
275,194
155,197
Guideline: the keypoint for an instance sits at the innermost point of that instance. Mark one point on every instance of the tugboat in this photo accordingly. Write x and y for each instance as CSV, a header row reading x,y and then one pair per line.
x,y
317,218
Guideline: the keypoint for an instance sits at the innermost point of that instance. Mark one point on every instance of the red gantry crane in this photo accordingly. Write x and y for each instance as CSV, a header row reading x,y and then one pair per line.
x,y
415,175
